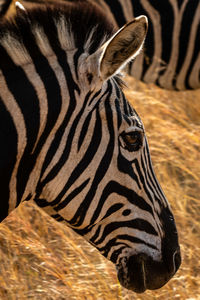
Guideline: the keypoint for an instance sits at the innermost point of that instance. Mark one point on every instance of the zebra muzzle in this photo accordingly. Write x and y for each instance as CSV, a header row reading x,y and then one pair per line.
x,y
141,272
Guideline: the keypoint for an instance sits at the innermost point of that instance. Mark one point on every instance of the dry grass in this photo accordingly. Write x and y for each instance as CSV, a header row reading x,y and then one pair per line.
x,y
41,259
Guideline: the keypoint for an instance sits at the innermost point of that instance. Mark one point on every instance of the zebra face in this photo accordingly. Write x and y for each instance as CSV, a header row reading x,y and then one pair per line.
x,y
129,219
115,201
125,214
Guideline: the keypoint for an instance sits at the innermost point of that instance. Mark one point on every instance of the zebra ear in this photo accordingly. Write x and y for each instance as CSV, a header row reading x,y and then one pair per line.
x,y
19,6
124,46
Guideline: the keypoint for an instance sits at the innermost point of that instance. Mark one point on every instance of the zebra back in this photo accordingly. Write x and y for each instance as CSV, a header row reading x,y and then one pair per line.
x,y
171,56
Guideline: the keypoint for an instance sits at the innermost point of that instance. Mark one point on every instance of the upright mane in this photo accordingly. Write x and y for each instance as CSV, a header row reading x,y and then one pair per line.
x,y
70,25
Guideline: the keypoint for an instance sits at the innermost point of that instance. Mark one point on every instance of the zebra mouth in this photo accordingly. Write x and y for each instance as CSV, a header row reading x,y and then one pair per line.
x,y
140,272
132,275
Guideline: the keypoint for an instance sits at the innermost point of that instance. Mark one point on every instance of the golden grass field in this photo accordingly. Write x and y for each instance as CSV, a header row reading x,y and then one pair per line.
x,y
41,259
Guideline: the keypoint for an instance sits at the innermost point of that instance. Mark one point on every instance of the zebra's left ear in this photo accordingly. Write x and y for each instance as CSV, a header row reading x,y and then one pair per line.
x,y
124,46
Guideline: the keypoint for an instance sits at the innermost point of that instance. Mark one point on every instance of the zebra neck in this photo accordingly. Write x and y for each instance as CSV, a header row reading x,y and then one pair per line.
x,y
38,77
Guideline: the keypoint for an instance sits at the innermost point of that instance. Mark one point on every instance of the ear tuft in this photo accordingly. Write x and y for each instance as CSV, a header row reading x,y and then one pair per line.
x,y
19,6
123,47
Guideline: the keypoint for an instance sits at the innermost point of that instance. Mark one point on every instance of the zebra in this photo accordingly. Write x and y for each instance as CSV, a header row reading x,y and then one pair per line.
x,y
171,56
73,144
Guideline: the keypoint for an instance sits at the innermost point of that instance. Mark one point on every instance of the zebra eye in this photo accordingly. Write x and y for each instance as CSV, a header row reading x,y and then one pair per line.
x,y
132,141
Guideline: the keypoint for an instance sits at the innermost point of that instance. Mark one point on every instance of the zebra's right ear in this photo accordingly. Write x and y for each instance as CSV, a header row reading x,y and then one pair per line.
x,y
122,47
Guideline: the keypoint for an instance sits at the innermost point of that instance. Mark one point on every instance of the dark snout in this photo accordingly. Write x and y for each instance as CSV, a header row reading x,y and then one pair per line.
x,y
144,273
141,271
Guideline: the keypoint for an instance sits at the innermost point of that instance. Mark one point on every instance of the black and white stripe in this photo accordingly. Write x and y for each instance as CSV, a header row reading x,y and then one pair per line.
x,y
71,142
171,56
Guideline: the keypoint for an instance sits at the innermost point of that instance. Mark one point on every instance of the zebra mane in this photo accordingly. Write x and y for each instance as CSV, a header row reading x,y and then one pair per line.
x,y
69,25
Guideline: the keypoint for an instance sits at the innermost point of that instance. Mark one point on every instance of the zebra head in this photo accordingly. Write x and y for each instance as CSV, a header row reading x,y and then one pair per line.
x,y
93,168
123,212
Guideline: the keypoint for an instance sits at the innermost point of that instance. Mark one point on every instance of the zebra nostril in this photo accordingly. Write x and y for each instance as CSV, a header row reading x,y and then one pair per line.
x,y
177,260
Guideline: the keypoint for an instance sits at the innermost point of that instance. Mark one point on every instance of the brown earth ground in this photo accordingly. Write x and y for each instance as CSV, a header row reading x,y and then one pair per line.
x,y
41,259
